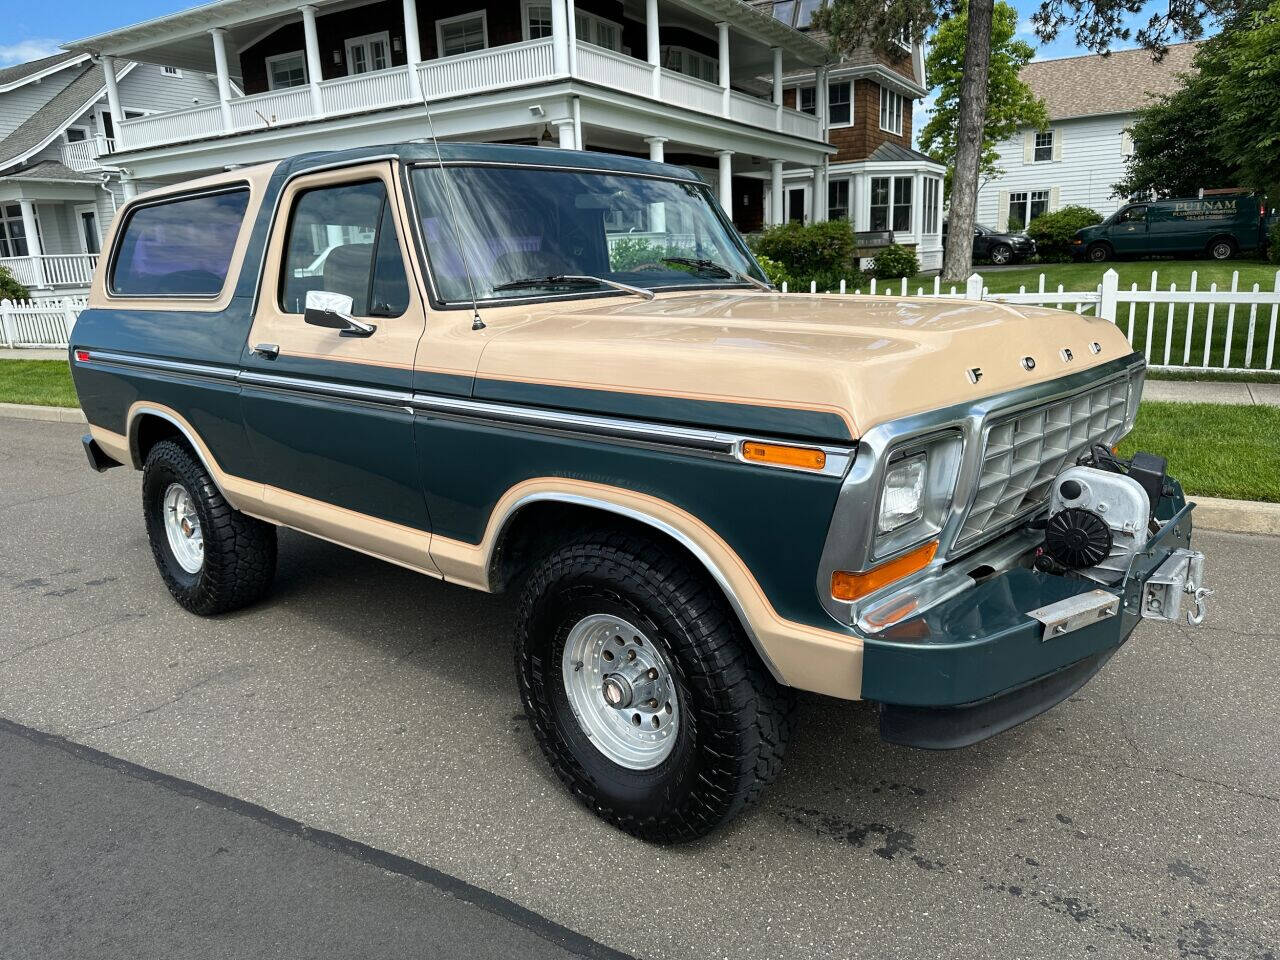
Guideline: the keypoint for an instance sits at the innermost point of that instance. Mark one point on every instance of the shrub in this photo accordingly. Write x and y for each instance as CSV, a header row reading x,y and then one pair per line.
x,y
632,252
806,250
1273,243
894,261
774,272
10,288
1052,232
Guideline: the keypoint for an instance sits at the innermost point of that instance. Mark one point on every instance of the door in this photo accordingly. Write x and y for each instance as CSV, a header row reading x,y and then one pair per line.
x,y
326,408
1128,232
87,232
367,54
797,204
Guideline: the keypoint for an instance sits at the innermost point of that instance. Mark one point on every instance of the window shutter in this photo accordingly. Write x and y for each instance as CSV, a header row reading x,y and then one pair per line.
x,y
1057,144
1002,211
1054,199
1029,146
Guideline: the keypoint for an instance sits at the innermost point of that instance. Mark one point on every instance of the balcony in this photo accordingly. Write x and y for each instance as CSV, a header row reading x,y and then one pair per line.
x,y
52,270
83,155
495,68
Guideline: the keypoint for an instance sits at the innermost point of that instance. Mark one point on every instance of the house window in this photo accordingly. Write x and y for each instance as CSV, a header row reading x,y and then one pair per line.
x,y
796,13
366,54
840,103
462,34
1025,206
838,200
171,72
108,128
890,111
932,185
597,30
691,64
1043,147
77,134
891,204
537,21
807,100
13,233
286,70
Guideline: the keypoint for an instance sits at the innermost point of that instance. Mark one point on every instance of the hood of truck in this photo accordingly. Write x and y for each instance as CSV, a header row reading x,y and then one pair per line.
x,y
865,359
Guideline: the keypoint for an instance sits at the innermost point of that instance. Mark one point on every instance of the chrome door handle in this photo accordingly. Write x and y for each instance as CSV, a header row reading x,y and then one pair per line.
x,y
267,350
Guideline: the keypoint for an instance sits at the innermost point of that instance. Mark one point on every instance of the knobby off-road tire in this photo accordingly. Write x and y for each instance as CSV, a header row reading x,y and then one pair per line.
x,y
239,552
733,719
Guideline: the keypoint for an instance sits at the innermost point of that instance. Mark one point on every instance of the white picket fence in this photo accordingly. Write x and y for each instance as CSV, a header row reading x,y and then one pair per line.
x,y
1231,330
38,323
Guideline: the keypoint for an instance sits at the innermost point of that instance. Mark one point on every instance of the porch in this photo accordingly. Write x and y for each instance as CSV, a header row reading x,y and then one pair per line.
x,y
50,228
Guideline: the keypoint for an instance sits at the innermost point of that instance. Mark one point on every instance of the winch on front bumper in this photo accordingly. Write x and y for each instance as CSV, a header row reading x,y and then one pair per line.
x,y
1024,640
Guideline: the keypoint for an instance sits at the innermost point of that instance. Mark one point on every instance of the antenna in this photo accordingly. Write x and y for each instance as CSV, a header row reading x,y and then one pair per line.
x,y
476,322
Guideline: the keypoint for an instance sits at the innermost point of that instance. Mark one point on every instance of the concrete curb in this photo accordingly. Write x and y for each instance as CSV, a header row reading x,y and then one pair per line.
x,y
1211,513
29,411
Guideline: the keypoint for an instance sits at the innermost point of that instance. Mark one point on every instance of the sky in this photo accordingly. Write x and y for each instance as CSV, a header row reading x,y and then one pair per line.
x,y
35,29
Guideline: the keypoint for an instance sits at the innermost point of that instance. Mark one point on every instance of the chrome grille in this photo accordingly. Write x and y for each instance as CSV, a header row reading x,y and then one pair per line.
x,y
1024,452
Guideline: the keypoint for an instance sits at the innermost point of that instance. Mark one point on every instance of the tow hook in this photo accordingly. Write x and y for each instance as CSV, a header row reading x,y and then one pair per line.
x,y
1176,582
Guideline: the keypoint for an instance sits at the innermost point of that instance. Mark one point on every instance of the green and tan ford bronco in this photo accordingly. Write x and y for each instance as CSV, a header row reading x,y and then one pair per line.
x,y
564,374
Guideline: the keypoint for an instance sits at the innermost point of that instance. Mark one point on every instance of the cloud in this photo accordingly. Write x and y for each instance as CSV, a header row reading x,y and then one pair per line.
x,y
24,50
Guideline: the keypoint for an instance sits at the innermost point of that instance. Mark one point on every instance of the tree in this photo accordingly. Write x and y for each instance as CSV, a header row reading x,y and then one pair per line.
x,y
1097,24
1246,64
1011,104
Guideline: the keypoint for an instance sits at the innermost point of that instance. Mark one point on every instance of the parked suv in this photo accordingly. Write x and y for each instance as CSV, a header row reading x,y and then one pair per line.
x,y
1217,226
999,246
707,494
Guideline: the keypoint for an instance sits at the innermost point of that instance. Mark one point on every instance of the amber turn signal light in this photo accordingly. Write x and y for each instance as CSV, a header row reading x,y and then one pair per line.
x,y
782,456
851,586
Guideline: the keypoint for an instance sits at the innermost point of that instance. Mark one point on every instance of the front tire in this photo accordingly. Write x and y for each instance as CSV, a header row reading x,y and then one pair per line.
x,y
212,558
642,691
1098,253
1001,254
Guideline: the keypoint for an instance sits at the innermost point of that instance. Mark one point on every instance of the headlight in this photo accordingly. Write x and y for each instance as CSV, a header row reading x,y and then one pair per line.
x,y
903,496
916,492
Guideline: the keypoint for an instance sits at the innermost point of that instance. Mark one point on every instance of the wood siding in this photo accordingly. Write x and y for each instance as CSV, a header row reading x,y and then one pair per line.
x,y
859,141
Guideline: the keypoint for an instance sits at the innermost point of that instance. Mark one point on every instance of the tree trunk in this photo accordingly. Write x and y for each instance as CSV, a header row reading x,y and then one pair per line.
x,y
973,118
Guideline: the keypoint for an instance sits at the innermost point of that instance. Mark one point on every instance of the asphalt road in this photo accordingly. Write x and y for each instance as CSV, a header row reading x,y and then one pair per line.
x,y
1140,818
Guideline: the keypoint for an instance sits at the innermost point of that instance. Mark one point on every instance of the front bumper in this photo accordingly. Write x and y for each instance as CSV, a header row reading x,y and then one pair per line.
x,y
978,664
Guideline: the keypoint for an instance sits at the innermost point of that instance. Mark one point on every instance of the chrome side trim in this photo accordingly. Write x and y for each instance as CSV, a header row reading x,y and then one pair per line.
x,y
851,536
327,388
661,525
204,370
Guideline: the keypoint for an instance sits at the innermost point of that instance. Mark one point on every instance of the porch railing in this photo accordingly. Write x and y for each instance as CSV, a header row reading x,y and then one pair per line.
x,y
494,68
84,155
52,270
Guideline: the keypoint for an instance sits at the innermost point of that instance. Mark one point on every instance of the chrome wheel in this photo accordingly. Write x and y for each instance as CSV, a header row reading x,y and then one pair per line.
x,y
621,691
1001,255
182,528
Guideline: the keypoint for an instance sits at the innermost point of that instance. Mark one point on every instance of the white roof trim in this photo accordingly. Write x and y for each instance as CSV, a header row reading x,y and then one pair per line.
x,y
73,116
46,72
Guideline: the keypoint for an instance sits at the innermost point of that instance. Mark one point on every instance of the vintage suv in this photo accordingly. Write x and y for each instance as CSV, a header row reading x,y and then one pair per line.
x,y
563,373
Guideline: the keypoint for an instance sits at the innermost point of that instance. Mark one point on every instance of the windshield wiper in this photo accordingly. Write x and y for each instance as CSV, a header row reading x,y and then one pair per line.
x,y
573,280
711,266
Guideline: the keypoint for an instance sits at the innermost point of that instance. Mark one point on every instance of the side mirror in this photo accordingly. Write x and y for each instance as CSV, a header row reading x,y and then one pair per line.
x,y
333,310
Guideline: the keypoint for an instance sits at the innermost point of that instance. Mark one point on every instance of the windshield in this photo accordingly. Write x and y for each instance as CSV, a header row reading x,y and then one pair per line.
x,y
528,231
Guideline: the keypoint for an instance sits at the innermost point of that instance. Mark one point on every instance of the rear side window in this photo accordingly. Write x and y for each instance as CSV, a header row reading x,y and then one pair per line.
x,y
179,248
342,239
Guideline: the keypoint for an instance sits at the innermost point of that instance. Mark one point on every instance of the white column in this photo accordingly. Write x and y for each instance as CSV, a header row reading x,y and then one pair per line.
x,y
559,38
777,87
412,47
726,180
658,210
129,187
564,128
314,71
33,239
655,148
775,192
572,18
653,45
820,195
219,36
917,207
113,95
722,29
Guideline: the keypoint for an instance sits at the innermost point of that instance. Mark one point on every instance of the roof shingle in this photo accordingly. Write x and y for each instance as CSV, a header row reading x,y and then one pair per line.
x,y
1121,82
20,71
55,114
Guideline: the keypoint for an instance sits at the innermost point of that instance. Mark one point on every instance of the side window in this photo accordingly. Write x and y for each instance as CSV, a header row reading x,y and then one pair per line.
x,y
178,248
342,239
1132,215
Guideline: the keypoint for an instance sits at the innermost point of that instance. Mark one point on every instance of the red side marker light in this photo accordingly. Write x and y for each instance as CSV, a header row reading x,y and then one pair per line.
x,y
82,356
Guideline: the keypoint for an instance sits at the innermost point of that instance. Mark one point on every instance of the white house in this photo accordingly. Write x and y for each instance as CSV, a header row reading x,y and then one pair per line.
x,y
1092,102
58,189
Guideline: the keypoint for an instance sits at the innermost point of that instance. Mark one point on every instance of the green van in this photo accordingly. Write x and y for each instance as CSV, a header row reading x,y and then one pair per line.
x,y
1220,226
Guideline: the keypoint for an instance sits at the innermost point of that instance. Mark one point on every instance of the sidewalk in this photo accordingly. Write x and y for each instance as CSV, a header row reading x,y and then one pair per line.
x,y
9,353
1211,391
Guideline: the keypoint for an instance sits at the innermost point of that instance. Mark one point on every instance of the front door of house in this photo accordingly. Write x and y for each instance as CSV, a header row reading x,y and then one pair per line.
x,y
369,53
87,228
797,204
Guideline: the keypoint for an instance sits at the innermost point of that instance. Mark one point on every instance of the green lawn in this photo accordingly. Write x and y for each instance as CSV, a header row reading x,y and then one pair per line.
x,y
44,382
1215,450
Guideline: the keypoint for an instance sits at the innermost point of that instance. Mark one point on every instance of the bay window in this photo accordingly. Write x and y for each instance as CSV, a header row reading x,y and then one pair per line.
x,y
932,187
891,204
838,200
890,111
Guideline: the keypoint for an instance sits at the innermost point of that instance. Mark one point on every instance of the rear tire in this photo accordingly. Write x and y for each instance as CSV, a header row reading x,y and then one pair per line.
x,y
1222,248
213,558
712,726
1098,253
